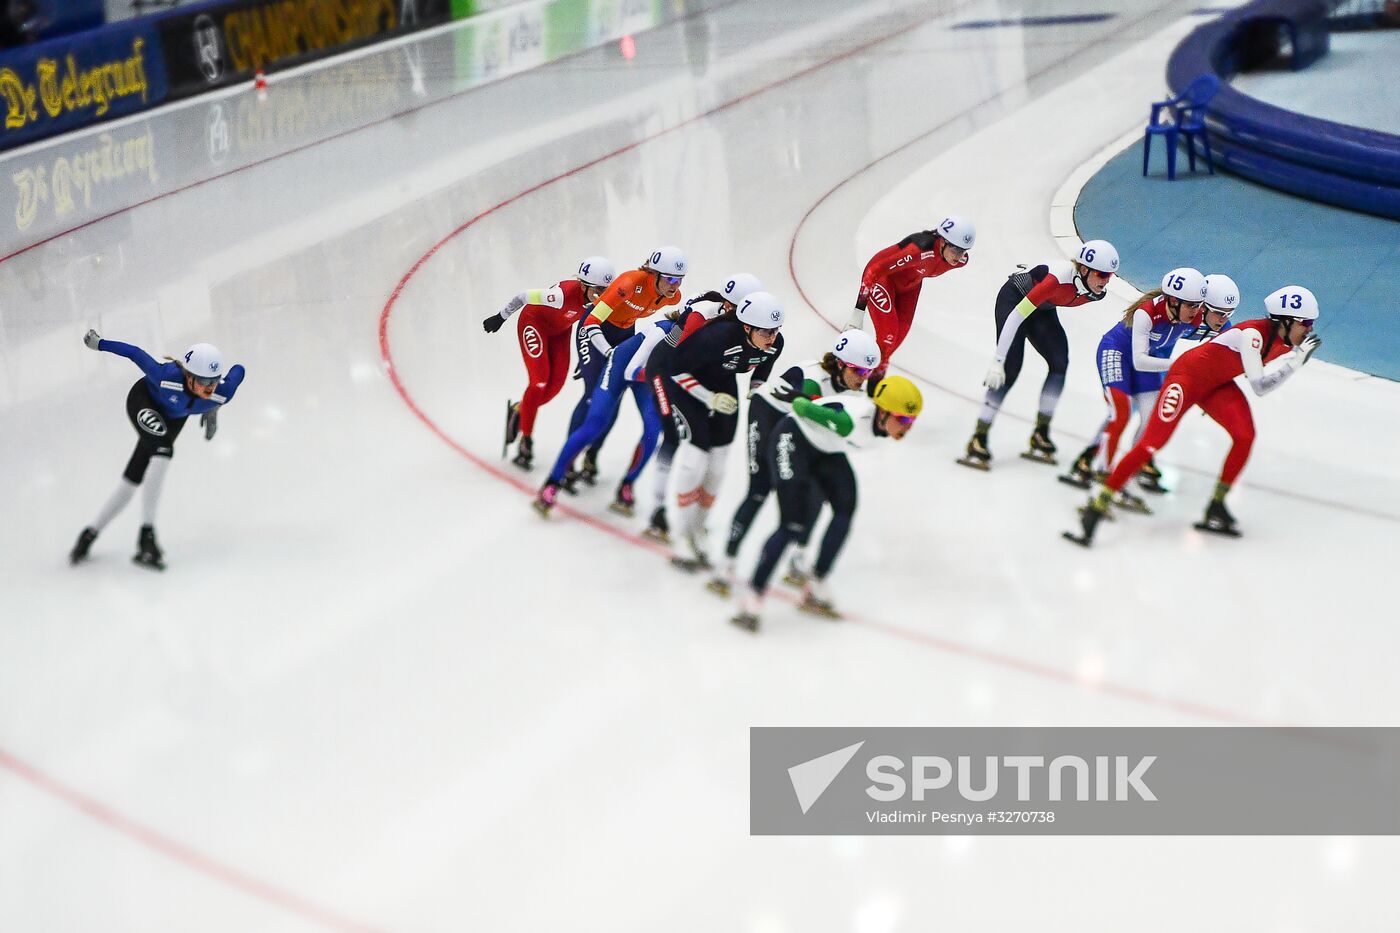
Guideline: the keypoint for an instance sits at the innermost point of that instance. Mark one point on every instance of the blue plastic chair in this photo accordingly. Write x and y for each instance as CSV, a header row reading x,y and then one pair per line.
x,y
1187,117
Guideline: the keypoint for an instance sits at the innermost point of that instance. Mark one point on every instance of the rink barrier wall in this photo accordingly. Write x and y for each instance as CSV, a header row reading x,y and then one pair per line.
x,y
91,76
215,44
71,180
1317,159
63,17
73,81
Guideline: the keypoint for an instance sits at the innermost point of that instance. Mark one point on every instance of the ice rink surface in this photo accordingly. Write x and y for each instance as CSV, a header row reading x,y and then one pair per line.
x,y
375,691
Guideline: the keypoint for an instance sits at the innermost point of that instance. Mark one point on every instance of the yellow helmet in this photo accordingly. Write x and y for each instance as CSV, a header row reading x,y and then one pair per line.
x,y
899,396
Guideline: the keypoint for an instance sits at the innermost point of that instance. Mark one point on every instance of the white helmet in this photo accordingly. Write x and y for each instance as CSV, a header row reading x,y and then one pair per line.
x,y
203,361
1222,294
740,286
596,271
958,230
857,348
1293,301
1184,284
1098,255
761,310
667,260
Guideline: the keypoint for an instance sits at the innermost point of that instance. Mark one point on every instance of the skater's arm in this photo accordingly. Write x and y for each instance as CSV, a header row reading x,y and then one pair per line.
x,y
1018,315
138,356
552,297
1265,379
691,357
793,384
593,330
1143,361
833,417
224,393
512,306
655,333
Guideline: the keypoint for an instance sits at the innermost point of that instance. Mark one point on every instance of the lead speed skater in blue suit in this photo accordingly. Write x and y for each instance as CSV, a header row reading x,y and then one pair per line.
x,y
157,406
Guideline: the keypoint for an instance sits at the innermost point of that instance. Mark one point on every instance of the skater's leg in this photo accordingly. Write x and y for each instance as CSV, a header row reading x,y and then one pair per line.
x,y
153,487
651,430
1161,424
762,418
790,458
544,370
838,485
601,408
1119,411
1006,302
1228,407
1047,335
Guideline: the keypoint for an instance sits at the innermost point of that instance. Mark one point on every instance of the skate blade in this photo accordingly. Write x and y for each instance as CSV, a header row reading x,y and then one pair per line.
x,y
657,535
511,435
541,507
1108,515
746,622
621,508
821,610
1039,458
526,465
798,580
1069,479
148,564
691,564
1211,529
1140,508
980,465
1156,489
1078,539
719,587
589,479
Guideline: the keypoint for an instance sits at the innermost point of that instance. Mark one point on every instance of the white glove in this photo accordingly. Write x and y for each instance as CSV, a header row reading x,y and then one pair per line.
x,y
996,376
92,339
1307,345
857,321
723,403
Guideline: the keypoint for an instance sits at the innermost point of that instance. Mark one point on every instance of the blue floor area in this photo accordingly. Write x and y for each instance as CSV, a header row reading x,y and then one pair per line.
x,y
1263,239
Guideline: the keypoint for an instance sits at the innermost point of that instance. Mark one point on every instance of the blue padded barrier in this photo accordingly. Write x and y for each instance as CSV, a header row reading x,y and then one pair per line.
x,y
1319,159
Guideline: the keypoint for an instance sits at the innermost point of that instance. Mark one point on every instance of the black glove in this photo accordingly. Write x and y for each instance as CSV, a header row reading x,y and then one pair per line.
x,y
786,392
493,323
209,421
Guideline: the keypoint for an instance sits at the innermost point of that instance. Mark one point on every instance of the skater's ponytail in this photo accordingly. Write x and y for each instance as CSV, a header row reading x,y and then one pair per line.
x,y
832,367
1141,299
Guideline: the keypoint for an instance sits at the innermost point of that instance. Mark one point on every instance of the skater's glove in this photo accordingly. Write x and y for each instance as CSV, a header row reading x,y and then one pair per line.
x,y
996,376
724,404
493,323
1306,347
785,391
209,421
91,339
